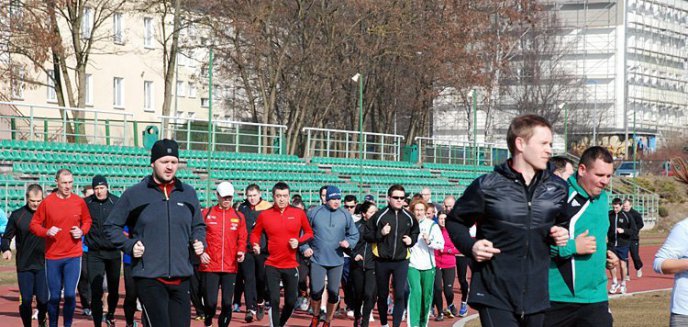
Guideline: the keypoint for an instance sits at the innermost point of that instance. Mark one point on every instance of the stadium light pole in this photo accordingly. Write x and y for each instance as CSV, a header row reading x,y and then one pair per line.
x,y
210,124
359,78
475,130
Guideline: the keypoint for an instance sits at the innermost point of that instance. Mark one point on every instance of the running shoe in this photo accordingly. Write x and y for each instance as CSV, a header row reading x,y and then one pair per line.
x,y
250,315
260,312
623,288
109,320
614,288
639,273
315,321
464,309
440,317
235,308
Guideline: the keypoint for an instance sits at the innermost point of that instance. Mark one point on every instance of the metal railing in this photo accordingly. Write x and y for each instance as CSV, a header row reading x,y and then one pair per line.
x,y
321,142
226,135
432,150
20,121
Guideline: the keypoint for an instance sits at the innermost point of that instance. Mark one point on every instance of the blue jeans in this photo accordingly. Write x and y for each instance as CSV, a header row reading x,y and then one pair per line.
x,y
62,274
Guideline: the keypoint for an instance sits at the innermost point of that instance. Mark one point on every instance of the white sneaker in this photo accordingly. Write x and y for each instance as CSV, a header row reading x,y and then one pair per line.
x,y
639,273
614,288
623,288
350,314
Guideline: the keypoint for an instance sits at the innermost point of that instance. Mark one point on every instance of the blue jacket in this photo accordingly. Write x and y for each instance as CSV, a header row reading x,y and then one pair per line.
x,y
330,227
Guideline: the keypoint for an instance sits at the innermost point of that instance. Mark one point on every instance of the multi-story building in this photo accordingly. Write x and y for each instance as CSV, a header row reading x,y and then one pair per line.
x,y
125,73
629,60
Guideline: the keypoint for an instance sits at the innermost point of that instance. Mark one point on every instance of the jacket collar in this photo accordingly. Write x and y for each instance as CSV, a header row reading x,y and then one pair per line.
x,y
150,182
505,170
573,183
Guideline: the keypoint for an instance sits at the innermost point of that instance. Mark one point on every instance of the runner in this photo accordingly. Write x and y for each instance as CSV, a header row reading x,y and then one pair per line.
x,y
363,271
282,225
62,219
30,259
445,272
226,238
334,232
517,206
393,230
164,219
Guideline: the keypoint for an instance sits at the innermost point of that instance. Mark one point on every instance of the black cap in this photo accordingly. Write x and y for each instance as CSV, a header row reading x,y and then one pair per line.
x,y
164,147
99,180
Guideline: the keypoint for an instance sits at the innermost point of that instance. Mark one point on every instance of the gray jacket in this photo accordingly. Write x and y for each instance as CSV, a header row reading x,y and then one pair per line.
x,y
330,227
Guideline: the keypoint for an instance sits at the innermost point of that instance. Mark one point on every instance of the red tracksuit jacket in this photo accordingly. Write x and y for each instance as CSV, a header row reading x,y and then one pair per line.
x,y
225,233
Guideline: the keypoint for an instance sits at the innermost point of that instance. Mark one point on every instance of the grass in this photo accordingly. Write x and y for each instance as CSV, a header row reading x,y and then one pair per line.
x,y
8,274
642,310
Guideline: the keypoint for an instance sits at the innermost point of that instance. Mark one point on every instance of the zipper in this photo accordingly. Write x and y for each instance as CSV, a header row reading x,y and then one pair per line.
x,y
396,232
222,265
169,244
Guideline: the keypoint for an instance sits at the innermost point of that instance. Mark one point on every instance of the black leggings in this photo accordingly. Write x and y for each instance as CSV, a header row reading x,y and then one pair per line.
x,y
32,282
164,305
444,281
462,264
129,295
252,283
103,264
212,282
364,290
83,287
384,270
196,291
290,279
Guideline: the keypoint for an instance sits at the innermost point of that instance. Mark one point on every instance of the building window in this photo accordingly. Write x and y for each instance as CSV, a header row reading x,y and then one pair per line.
x,y
89,89
192,90
181,90
87,23
52,96
204,102
18,83
118,92
117,29
148,32
148,96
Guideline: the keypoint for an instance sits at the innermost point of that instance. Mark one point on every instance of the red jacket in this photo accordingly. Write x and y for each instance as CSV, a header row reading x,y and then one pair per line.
x,y
279,227
445,258
62,213
225,233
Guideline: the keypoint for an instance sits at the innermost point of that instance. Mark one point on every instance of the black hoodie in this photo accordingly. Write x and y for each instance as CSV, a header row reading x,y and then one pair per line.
x,y
390,247
30,248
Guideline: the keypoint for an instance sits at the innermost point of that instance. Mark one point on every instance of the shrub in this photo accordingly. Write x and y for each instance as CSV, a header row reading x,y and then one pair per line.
x,y
663,211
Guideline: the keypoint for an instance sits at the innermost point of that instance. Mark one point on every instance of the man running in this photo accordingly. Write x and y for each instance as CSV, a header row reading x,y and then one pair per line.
x,y
517,206
253,266
577,278
164,219
282,225
393,230
334,231
30,258
104,259
226,237
62,219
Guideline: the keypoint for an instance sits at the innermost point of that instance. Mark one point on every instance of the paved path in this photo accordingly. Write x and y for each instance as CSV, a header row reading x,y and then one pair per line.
x,y
9,297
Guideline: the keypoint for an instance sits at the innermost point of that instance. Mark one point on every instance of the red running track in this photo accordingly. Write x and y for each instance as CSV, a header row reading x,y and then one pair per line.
x,y
9,297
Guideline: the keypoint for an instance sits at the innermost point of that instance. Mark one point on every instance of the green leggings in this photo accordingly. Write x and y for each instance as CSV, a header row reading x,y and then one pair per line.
x,y
421,287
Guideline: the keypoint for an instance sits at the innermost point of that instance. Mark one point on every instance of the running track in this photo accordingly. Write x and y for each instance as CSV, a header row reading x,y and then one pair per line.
x,y
9,313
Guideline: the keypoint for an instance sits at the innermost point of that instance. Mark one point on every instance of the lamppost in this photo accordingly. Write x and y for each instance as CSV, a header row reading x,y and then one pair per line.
x,y
210,125
566,126
359,78
595,118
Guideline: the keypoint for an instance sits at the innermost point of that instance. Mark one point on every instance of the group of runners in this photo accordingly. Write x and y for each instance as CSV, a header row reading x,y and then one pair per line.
x,y
522,224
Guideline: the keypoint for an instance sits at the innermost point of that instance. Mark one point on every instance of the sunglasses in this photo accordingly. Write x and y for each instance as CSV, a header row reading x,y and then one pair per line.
x,y
398,197
350,207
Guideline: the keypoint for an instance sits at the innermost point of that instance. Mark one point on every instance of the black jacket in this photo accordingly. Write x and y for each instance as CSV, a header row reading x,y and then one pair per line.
x,y
639,223
363,248
251,215
516,218
391,247
96,240
30,248
166,227
624,221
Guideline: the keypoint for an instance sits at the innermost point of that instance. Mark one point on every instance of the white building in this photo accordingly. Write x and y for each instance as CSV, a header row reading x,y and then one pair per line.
x,y
607,43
